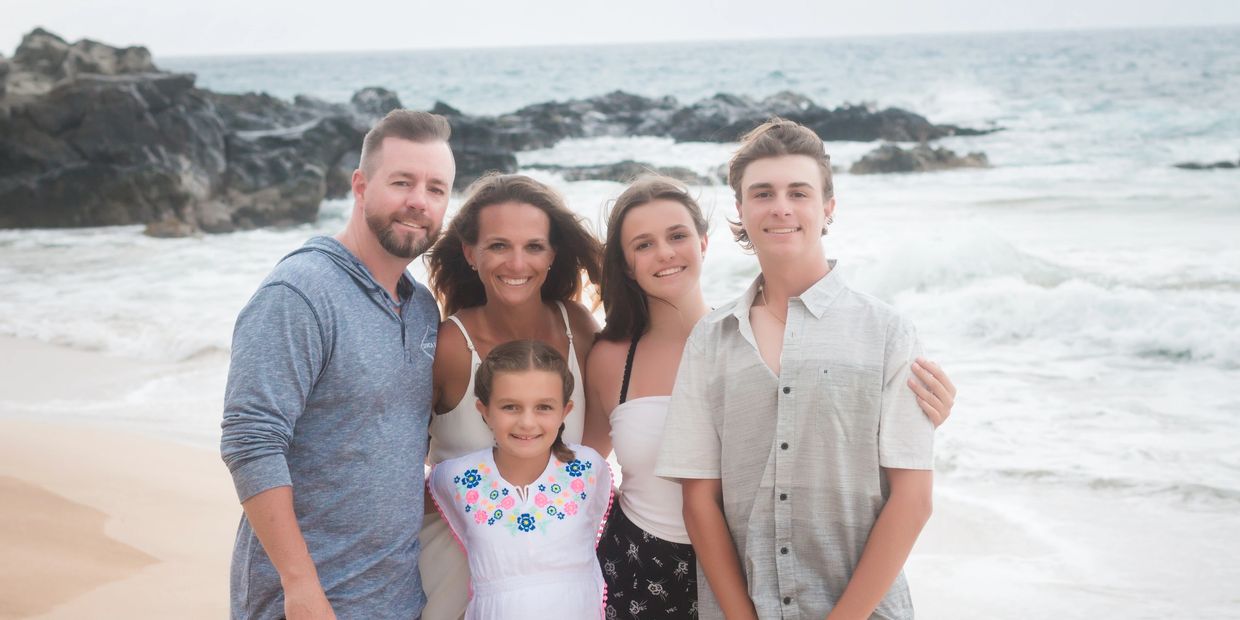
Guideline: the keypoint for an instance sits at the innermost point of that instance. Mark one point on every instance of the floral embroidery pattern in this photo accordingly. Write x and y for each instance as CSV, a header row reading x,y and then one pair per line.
x,y
554,497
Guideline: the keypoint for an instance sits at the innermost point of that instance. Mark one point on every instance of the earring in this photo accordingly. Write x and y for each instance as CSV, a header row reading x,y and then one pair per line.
x,y
473,266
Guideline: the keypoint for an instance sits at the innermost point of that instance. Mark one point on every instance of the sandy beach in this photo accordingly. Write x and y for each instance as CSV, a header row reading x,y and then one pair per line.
x,y
108,516
97,524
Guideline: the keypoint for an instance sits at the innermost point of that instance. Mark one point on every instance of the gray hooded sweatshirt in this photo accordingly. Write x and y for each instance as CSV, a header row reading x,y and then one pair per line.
x,y
329,391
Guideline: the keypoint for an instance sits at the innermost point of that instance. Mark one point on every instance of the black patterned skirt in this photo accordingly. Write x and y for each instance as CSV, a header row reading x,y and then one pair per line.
x,y
647,577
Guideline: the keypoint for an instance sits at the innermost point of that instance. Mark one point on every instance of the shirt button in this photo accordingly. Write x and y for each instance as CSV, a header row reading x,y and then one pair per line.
x,y
787,390
783,551
783,496
783,446
787,600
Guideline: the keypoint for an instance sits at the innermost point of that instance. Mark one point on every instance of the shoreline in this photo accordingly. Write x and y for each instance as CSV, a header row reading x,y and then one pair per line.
x,y
100,524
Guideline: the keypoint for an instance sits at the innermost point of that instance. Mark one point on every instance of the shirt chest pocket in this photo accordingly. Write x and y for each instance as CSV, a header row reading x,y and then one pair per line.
x,y
849,399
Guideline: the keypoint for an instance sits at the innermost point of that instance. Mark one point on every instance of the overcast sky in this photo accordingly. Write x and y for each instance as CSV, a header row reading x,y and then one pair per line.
x,y
182,27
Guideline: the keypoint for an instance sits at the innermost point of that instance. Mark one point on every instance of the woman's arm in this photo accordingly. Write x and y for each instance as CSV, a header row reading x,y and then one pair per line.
x,y
604,370
451,368
936,394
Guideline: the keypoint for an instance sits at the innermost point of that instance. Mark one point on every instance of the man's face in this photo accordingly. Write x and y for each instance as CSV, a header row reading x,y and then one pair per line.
x,y
782,206
405,196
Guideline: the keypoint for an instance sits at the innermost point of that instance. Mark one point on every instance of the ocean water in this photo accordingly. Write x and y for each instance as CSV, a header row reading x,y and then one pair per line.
x,y
1082,292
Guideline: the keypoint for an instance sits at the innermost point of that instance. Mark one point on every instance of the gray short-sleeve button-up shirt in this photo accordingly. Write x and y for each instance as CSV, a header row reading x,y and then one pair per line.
x,y
800,455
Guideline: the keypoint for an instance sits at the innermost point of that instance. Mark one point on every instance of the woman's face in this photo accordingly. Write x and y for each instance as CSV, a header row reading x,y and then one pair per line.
x,y
513,253
662,250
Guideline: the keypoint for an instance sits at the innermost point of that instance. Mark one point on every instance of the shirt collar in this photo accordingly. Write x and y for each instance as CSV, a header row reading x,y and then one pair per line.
x,y
816,298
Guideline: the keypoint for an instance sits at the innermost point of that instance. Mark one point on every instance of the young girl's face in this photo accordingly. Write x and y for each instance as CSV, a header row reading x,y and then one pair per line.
x,y
662,248
525,412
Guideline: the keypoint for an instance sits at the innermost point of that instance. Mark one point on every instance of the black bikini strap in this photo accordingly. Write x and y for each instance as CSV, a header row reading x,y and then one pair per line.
x,y
628,368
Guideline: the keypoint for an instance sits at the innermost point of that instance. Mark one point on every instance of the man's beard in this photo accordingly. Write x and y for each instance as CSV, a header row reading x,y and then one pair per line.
x,y
396,243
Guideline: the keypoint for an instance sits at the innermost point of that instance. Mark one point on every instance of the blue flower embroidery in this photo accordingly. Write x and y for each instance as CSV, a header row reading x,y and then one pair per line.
x,y
551,510
498,513
576,468
555,488
471,478
494,494
542,487
525,522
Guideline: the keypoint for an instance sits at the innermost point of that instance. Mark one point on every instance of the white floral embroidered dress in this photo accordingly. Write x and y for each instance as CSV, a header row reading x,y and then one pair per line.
x,y
531,549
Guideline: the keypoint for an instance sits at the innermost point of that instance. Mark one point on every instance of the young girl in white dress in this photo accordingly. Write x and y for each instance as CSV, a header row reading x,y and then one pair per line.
x,y
529,511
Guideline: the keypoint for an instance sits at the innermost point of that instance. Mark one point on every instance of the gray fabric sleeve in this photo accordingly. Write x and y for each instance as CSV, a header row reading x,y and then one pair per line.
x,y
277,355
691,446
905,434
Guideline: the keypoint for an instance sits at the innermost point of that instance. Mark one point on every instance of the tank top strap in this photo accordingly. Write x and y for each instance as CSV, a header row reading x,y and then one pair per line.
x,y
567,328
468,341
628,368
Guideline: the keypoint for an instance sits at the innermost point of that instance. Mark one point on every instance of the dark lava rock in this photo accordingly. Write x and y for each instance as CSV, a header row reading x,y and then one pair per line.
x,y
921,158
43,59
624,172
115,141
94,135
725,118
1218,165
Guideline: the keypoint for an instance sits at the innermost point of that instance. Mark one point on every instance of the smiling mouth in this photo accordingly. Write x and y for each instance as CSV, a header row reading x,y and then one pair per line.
x,y
525,437
514,281
670,271
783,231
411,225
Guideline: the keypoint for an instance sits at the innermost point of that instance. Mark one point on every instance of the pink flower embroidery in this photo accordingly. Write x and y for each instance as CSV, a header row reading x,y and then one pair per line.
x,y
570,508
471,496
540,500
578,485
480,517
508,502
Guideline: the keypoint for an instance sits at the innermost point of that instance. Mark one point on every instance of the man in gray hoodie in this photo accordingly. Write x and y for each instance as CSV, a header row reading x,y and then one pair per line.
x,y
329,393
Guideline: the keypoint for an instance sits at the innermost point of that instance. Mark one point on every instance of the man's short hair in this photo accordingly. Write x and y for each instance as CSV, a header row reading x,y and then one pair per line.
x,y
409,125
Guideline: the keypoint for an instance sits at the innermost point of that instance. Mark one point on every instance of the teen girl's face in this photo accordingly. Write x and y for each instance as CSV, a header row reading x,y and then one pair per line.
x,y
525,412
513,253
782,207
662,249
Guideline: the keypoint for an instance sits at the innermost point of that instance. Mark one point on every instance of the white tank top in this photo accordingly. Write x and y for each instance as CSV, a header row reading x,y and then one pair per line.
x,y
461,430
650,502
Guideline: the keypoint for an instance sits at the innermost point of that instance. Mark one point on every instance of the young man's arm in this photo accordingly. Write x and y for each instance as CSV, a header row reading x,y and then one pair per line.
x,y
712,542
906,455
277,355
900,522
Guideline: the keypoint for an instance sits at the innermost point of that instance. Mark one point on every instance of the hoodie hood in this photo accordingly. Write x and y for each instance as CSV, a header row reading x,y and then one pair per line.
x,y
350,264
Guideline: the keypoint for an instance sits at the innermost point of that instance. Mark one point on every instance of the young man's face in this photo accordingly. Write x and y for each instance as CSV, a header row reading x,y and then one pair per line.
x,y
404,198
782,206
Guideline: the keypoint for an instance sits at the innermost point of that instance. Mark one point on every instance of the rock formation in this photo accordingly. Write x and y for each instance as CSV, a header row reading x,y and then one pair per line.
x,y
921,158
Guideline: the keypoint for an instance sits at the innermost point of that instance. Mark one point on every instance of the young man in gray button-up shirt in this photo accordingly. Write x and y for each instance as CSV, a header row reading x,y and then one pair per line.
x,y
328,398
804,458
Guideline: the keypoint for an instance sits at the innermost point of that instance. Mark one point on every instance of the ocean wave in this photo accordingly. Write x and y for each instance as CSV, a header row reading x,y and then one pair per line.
x,y
1079,317
1193,493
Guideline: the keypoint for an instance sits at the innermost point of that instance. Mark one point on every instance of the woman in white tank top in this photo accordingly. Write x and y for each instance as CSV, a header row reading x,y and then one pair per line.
x,y
509,267
652,294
